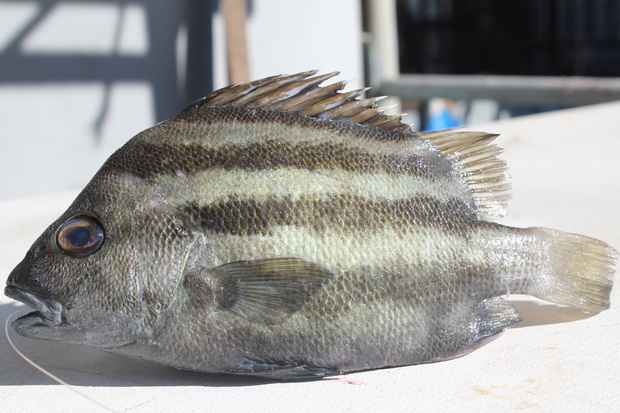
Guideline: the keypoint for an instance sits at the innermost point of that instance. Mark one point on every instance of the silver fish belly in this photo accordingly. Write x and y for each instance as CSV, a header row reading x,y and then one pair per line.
x,y
286,230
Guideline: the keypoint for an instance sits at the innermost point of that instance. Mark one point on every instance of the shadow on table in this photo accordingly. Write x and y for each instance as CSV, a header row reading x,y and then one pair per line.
x,y
538,313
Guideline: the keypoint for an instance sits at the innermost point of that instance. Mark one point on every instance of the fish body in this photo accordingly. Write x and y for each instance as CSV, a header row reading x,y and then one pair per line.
x,y
286,230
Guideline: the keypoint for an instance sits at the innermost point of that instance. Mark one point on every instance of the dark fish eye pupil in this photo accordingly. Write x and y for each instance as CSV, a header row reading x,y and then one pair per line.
x,y
78,237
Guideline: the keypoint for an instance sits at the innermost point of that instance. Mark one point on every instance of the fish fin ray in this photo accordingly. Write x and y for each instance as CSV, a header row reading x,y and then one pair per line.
x,y
239,94
301,93
282,370
581,270
271,290
492,317
475,159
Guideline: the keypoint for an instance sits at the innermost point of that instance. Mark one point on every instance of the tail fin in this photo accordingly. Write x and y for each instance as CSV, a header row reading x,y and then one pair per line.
x,y
581,270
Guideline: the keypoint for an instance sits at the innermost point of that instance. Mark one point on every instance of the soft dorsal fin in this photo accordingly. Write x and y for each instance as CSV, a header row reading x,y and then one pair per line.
x,y
475,159
301,93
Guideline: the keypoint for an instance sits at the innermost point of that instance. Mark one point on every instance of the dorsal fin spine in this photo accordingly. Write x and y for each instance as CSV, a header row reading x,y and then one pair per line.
x,y
298,103
301,93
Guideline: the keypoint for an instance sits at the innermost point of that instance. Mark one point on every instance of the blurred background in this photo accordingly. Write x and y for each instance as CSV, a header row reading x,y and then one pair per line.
x,y
79,78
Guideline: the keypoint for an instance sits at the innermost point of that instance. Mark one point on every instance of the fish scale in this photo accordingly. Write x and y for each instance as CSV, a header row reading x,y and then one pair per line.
x,y
286,230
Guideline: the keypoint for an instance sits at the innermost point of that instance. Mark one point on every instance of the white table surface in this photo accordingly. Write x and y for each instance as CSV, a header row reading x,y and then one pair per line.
x,y
565,171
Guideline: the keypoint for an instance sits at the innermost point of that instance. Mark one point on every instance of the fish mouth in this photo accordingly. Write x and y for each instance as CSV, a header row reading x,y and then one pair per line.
x,y
48,311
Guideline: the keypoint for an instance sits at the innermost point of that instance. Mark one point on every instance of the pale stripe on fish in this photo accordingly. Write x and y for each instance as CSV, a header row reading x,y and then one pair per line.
x,y
294,182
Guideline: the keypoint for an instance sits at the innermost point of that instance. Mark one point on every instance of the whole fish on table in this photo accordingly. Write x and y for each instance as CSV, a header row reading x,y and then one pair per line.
x,y
282,229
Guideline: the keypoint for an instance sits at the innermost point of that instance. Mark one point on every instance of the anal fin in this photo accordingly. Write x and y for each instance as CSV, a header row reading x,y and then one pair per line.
x,y
492,317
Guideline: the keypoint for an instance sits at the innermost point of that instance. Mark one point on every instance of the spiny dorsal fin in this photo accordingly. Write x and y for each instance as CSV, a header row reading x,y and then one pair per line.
x,y
476,161
471,152
301,93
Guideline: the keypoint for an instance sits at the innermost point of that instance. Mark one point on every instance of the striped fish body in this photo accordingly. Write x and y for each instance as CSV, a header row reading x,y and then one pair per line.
x,y
285,230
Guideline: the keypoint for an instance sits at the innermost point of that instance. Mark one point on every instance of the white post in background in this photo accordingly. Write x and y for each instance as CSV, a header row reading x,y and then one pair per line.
x,y
383,46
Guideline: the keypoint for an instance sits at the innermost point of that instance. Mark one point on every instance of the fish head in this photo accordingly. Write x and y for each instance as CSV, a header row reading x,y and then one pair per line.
x,y
93,276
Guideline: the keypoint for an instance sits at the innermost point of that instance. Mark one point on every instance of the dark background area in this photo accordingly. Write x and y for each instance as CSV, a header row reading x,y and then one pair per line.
x,y
510,37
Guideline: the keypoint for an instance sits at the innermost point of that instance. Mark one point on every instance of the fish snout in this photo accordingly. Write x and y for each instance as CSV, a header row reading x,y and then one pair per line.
x,y
25,278
22,286
21,273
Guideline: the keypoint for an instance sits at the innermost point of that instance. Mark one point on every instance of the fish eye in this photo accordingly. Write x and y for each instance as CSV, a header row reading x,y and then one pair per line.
x,y
80,236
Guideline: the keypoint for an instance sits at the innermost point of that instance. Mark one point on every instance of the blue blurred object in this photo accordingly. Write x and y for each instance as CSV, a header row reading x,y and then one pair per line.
x,y
441,116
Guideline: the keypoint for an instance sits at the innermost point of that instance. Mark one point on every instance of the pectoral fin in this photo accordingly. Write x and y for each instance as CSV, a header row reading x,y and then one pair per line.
x,y
266,291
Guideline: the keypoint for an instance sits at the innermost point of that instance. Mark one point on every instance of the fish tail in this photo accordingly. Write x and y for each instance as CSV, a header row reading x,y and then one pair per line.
x,y
580,270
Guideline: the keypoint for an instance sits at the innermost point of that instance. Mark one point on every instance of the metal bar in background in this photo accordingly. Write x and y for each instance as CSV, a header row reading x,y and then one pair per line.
x,y
530,90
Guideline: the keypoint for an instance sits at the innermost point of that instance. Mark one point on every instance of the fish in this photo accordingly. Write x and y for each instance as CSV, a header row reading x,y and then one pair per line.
x,y
287,230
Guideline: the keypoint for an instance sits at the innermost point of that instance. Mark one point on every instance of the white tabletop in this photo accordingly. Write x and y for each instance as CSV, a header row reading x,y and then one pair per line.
x,y
566,175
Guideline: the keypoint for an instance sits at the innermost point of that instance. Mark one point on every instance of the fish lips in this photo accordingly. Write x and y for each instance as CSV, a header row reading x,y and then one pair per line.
x,y
49,312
